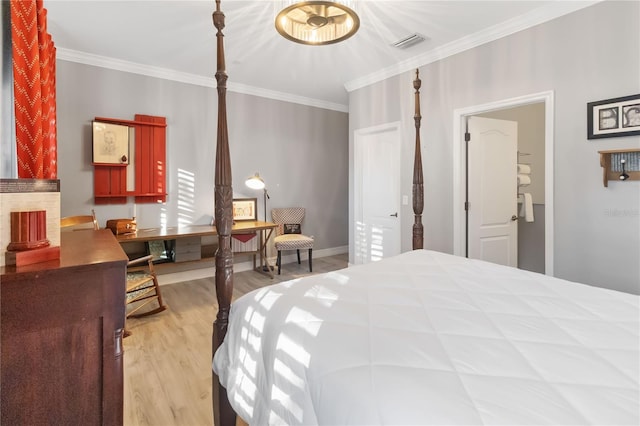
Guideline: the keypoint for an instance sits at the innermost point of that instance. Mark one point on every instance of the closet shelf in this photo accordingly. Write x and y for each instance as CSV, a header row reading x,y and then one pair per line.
x,y
612,170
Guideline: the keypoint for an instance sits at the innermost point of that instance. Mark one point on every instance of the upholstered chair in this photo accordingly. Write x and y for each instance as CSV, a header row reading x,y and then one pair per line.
x,y
289,233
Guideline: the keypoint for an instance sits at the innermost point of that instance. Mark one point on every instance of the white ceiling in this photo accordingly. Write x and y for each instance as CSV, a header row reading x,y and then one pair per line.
x,y
176,39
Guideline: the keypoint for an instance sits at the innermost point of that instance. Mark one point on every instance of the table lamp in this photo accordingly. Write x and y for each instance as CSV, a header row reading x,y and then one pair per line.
x,y
256,182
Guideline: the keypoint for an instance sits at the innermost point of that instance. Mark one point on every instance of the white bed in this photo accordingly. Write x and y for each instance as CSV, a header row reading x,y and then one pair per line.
x,y
430,338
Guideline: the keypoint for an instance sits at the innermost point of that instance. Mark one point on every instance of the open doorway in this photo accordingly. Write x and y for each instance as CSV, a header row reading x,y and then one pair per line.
x,y
535,241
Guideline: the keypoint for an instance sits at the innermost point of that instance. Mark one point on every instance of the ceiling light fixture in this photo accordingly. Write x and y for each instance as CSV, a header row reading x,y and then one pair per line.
x,y
317,22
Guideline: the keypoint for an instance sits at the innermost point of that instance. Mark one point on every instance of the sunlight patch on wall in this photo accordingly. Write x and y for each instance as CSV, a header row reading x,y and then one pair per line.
x,y
163,216
186,197
131,168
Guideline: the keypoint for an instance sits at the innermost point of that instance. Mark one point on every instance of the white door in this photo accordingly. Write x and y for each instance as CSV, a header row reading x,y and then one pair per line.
x,y
492,190
377,189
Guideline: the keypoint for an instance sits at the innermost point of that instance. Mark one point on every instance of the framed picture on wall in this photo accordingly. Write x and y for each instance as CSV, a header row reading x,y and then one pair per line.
x,y
614,117
245,209
110,143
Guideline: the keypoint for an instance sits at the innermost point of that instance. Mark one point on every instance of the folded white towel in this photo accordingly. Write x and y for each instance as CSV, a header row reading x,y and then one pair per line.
x,y
527,207
524,180
524,169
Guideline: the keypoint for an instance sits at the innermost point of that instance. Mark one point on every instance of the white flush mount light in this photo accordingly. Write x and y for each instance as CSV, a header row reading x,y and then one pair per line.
x,y
317,22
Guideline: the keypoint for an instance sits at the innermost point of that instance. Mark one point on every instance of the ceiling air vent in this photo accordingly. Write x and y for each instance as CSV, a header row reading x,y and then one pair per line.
x,y
409,41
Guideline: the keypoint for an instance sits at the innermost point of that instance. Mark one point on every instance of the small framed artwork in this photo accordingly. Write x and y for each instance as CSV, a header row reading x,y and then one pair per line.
x,y
110,143
245,209
614,117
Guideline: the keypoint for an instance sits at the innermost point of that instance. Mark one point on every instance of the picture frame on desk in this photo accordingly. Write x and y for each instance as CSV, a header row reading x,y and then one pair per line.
x,y
110,143
245,209
614,117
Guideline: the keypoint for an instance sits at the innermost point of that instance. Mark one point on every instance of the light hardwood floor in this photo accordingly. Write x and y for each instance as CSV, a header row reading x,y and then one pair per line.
x,y
167,359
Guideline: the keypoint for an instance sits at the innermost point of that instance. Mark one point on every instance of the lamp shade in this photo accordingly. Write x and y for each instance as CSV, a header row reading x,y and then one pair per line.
x,y
255,182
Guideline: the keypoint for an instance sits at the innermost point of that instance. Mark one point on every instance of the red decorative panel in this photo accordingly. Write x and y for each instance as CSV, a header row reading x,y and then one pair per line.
x,y
151,159
109,185
110,181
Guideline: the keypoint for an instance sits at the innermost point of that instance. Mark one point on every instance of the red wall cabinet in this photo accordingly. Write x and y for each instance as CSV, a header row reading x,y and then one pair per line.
x,y
110,180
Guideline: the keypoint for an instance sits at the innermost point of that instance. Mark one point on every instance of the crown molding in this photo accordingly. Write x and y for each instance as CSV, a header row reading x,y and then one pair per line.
x,y
132,67
543,14
188,78
286,97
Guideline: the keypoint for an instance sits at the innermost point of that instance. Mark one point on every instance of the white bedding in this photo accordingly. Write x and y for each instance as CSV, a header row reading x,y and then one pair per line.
x,y
430,338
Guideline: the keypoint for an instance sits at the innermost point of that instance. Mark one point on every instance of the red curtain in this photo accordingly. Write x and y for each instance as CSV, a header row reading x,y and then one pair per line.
x,y
34,70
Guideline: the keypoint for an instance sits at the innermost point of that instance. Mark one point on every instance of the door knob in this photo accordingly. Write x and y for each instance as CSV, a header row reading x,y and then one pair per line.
x,y
514,218
394,215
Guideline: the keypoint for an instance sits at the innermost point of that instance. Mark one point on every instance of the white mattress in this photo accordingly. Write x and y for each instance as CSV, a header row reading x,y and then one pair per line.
x,y
429,338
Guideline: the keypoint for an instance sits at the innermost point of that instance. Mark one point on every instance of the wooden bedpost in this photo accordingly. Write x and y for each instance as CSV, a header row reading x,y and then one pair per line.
x,y
418,185
223,414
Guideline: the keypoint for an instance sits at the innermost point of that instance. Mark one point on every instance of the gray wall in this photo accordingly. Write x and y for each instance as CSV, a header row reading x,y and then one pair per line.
x,y
300,151
586,56
531,241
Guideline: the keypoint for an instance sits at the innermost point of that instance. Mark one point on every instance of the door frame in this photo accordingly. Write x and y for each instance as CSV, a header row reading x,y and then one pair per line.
x,y
357,174
459,169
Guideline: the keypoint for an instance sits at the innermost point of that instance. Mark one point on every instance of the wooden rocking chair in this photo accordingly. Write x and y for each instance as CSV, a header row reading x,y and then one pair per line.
x,y
75,223
142,289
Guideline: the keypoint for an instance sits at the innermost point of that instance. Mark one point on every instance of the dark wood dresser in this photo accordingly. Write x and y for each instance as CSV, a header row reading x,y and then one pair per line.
x,y
61,334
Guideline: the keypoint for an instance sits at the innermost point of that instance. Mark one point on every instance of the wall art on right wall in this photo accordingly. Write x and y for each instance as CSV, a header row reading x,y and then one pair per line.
x,y
614,117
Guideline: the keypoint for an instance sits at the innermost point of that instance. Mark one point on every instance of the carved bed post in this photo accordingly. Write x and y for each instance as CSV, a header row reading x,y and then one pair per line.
x,y
222,412
418,185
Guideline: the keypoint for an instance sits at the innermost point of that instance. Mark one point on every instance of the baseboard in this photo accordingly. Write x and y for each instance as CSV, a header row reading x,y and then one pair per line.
x,y
293,257
207,271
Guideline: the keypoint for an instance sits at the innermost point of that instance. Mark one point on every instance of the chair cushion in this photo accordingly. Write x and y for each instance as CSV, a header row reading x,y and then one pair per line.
x,y
138,284
293,242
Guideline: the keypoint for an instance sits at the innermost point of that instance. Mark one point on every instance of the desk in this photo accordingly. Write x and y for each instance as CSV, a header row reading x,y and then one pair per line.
x,y
177,232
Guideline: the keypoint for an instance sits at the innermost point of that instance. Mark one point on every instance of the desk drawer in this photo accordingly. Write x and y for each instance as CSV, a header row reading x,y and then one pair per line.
x,y
186,249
